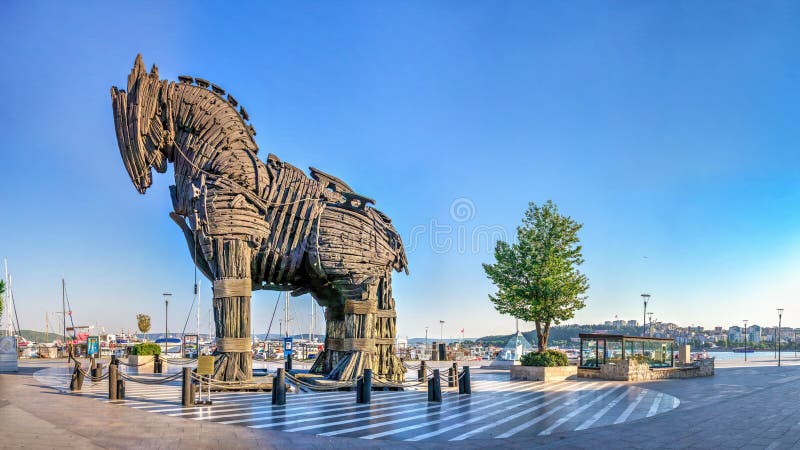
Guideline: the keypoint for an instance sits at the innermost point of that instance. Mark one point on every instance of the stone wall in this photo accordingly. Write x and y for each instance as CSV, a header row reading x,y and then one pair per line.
x,y
632,370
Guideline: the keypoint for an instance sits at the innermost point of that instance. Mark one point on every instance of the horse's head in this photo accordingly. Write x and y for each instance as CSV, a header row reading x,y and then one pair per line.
x,y
138,120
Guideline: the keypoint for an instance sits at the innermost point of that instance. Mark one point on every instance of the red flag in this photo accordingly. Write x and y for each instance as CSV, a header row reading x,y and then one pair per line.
x,y
462,330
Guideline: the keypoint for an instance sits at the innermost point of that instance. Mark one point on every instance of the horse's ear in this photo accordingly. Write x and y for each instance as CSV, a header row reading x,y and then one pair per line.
x,y
137,71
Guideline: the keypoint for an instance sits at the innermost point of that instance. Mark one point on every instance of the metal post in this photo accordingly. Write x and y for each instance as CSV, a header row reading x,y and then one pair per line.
x,y
364,388
435,387
187,389
745,340
465,387
98,370
289,361
645,298
780,313
455,374
157,364
112,382
76,381
279,388
423,371
166,321
120,389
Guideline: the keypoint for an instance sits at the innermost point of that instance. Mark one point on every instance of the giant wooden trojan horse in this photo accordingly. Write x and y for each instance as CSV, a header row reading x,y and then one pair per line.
x,y
254,225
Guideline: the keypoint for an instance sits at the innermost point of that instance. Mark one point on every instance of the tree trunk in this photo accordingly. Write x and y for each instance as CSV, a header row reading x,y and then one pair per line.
x,y
540,340
545,337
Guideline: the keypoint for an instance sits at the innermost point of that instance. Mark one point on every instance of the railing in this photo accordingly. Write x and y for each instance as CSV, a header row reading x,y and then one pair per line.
x,y
190,378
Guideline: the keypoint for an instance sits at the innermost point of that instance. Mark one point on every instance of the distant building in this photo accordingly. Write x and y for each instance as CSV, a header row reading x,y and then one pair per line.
x,y
717,330
735,334
633,323
607,323
754,334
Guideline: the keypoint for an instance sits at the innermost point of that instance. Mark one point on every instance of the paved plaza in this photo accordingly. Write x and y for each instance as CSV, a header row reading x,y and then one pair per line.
x,y
498,408
754,406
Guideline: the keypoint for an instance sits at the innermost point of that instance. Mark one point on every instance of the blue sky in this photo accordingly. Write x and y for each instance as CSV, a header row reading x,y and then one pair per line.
x,y
668,128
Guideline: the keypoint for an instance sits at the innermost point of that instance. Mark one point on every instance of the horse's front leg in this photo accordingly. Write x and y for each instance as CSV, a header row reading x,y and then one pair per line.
x,y
232,292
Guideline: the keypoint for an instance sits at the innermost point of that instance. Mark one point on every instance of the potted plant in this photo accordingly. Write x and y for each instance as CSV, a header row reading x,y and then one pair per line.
x,y
143,355
548,365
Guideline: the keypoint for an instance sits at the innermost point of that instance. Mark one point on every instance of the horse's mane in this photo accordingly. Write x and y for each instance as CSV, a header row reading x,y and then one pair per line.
x,y
229,101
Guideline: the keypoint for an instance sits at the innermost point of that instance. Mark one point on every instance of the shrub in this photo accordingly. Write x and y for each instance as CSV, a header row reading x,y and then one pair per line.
x,y
146,348
547,358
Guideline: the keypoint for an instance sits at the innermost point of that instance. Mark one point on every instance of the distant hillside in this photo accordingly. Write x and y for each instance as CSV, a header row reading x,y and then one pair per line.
x,y
39,336
561,334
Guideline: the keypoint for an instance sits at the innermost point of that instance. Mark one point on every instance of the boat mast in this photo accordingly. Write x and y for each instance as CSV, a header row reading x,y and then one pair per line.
x,y
286,312
64,314
197,293
5,318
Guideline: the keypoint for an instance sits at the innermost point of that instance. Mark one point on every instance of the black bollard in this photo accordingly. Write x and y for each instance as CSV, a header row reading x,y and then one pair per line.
x,y
289,362
98,370
364,388
451,377
455,375
465,387
76,381
435,387
92,365
187,389
112,382
279,388
114,361
423,371
120,389
157,367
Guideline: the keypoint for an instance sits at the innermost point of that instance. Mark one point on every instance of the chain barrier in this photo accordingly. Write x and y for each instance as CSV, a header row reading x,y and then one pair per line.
x,y
164,380
180,361
133,365
322,388
223,384
87,374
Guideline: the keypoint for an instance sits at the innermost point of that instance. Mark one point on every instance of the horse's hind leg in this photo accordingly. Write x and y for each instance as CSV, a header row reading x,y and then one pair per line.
x,y
367,328
387,364
355,322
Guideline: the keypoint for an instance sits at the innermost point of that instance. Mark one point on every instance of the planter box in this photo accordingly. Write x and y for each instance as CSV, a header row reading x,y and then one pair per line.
x,y
546,374
146,362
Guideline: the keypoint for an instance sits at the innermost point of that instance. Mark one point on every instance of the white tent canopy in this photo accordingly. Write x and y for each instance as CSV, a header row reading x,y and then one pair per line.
x,y
515,348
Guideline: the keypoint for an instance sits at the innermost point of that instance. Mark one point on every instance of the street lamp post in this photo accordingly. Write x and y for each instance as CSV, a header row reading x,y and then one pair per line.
x,y
166,321
780,313
645,299
426,341
441,324
650,324
745,340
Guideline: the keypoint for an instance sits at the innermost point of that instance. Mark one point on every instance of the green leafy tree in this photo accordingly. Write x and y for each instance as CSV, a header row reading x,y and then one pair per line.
x,y
537,277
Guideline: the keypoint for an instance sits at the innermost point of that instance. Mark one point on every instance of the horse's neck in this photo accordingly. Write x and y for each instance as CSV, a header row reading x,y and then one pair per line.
x,y
208,129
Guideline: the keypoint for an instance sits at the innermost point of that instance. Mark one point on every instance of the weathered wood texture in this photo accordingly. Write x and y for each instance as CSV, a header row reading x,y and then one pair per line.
x,y
267,225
